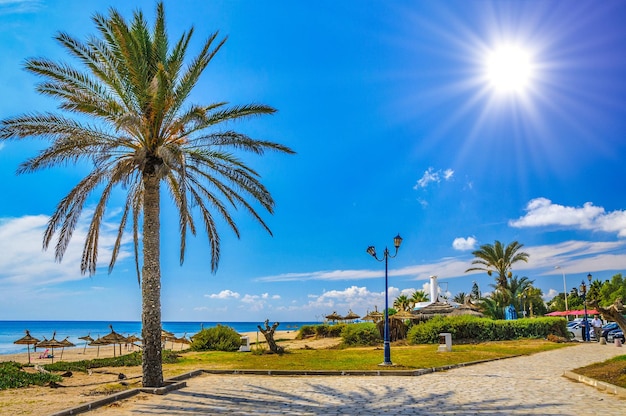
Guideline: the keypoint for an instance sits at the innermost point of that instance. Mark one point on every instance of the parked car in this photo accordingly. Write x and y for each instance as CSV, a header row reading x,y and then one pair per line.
x,y
608,328
615,334
576,331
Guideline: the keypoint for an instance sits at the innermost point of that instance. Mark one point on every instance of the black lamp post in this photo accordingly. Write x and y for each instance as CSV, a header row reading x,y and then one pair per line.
x,y
583,290
372,251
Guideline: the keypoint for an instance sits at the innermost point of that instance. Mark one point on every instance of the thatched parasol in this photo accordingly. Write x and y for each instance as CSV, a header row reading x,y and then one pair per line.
x,y
99,342
434,309
351,316
183,341
403,315
334,317
466,309
114,338
373,316
51,343
66,343
27,340
87,338
167,336
132,339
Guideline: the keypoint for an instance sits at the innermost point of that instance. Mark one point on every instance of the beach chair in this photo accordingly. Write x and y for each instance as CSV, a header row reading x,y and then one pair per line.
x,y
44,354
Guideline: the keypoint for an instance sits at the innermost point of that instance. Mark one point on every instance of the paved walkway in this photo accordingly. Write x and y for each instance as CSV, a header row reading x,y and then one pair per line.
x,y
530,385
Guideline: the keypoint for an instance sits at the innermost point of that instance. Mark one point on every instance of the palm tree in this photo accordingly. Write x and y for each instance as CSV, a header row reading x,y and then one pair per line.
x,y
460,297
417,297
499,258
138,130
402,303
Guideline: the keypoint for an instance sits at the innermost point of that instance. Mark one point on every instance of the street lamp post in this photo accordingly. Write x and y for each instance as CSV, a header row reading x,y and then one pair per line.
x,y
372,252
583,289
564,287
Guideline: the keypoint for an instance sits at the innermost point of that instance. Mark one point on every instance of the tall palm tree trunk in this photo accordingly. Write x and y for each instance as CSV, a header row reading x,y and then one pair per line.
x,y
151,284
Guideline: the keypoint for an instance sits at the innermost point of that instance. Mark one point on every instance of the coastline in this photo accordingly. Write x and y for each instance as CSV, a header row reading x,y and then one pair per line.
x,y
79,352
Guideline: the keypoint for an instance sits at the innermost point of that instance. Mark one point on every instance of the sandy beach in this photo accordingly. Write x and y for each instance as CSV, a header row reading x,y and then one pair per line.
x,y
82,388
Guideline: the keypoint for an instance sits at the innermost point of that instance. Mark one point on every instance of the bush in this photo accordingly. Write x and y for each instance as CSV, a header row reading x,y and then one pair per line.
x,y
219,338
12,376
485,329
306,331
362,334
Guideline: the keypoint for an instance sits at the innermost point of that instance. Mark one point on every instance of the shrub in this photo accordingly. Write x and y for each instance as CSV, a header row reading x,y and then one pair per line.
x,y
362,334
485,329
306,331
219,338
12,376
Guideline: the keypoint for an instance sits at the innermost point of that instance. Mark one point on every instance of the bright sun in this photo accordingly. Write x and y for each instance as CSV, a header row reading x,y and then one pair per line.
x,y
509,69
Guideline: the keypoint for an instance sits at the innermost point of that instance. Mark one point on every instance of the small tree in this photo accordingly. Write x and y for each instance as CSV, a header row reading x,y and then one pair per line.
x,y
268,332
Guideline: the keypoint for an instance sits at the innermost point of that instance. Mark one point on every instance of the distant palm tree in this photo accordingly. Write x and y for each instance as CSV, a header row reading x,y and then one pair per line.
x,y
417,297
460,297
498,258
137,128
402,303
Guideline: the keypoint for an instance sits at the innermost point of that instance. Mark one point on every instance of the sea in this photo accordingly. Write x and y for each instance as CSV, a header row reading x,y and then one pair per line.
x,y
11,331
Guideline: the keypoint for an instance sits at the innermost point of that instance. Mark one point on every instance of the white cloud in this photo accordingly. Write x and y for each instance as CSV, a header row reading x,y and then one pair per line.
x,y
464,244
224,294
550,295
19,6
430,176
24,263
541,212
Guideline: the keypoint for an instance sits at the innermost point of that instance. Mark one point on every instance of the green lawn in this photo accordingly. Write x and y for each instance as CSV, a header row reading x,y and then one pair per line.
x,y
366,358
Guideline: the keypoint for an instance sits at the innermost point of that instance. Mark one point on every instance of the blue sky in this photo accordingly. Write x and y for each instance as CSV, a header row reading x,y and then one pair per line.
x,y
398,129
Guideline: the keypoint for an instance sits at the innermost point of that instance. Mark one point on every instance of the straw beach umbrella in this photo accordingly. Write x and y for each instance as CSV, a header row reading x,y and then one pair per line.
x,y
334,317
403,315
66,343
27,340
87,338
51,343
351,316
114,338
131,340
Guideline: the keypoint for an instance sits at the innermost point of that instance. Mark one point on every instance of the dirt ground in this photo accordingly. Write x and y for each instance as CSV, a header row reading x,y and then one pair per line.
x,y
83,388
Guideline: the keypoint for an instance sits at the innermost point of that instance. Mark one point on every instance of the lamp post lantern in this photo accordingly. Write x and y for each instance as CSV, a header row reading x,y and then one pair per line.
x,y
386,256
564,287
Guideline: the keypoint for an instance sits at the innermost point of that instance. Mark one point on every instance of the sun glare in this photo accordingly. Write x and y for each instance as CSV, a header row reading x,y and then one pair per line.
x,y
509,69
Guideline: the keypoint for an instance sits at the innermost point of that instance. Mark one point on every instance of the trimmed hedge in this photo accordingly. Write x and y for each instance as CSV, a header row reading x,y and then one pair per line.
x,y
485,329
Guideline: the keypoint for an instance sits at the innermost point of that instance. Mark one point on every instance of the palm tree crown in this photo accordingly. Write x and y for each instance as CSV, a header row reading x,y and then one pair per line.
x,y
499,258
138,130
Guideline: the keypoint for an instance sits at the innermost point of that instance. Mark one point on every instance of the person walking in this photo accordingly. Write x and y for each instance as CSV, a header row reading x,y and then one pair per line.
x,y
596,324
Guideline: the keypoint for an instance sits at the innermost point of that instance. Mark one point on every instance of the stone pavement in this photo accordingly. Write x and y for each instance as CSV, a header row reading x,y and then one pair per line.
x,y
528,385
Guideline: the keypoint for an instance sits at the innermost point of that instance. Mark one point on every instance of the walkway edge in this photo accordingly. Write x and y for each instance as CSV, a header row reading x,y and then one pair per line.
x,y
600,385
176,383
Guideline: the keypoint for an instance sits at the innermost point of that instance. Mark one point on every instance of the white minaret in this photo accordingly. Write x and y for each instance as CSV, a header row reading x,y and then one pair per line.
x,y
434,289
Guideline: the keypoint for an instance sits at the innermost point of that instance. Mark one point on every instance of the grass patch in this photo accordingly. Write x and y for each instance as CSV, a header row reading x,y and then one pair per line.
x,y
611,371
363,358
12,376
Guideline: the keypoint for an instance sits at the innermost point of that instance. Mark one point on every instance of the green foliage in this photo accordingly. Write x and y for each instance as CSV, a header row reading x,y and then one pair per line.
x,y
306,331
219,338
361,334
498,258
484,329
321,331
12,376
126,360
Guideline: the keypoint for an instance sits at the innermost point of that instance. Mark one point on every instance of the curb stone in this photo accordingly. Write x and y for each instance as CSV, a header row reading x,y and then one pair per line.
x,y
600,385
